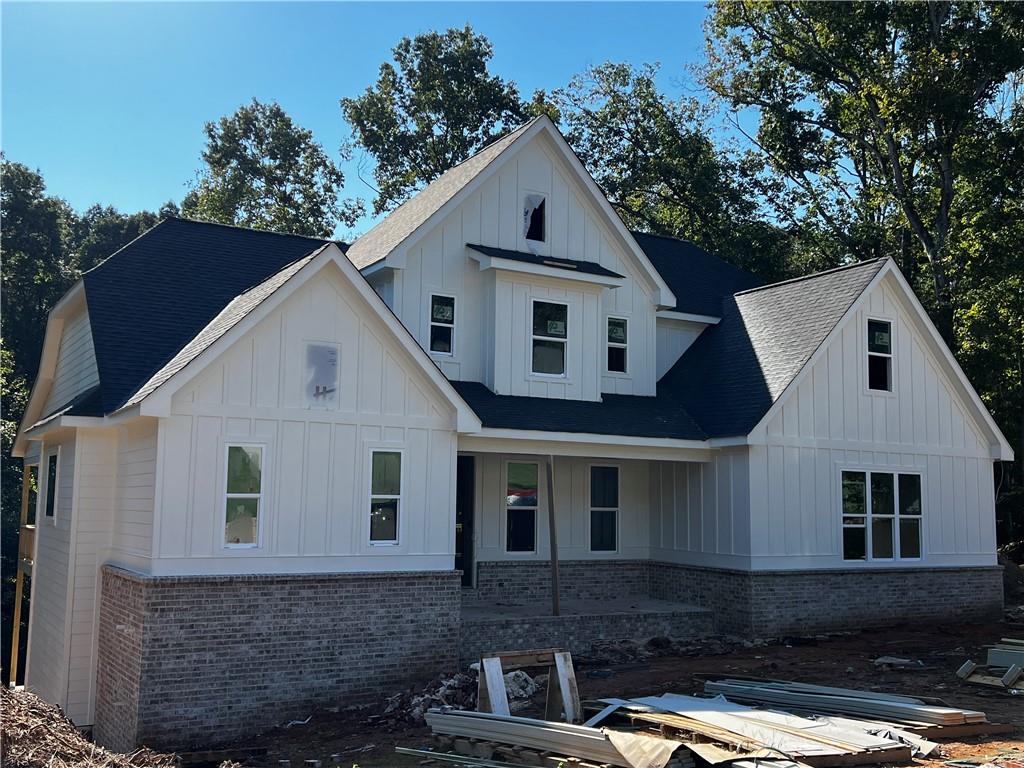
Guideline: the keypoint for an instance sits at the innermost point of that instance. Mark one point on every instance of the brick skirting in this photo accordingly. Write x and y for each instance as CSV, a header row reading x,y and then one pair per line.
x,y
190,660
528,580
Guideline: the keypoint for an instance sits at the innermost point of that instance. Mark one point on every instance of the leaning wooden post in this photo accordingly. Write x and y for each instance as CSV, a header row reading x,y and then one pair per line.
x,y
26,485
552,534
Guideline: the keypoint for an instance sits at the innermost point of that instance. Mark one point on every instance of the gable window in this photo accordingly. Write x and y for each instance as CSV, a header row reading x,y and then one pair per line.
x,y
881,516
521,507
604,508
244,496
550,331
617,340
533,218
385,496
51,486
880,355
321,375
442,324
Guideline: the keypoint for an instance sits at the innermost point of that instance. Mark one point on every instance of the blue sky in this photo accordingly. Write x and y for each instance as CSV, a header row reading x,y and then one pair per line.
x,y
108,100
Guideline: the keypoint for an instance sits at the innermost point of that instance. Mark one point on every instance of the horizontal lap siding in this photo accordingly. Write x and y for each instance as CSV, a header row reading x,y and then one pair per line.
x,y
76,364
136,489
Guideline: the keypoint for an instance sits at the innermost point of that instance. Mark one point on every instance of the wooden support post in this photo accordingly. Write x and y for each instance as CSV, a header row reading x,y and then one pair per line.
x,y
26,487
552,534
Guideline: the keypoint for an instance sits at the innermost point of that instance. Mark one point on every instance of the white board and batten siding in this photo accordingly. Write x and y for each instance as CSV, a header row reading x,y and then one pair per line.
x,y
832,421
314,514
76,370
674,337
439,262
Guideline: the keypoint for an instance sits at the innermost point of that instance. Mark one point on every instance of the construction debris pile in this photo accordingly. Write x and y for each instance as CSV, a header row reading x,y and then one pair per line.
x,y
1004,667
34,734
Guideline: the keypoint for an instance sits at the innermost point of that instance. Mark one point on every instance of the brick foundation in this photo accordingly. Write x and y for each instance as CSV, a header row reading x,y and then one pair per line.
x,y
191,660
577,579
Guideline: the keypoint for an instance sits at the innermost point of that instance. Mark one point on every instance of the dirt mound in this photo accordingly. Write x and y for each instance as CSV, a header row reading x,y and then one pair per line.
x,y
34,734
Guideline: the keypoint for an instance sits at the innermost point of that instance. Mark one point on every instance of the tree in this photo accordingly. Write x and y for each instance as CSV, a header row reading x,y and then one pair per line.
x,y
264,171
432,108
656,162
103,230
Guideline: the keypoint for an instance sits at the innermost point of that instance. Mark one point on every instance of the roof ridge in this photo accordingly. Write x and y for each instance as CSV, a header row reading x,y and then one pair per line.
x,y
189,220
813,275
139,236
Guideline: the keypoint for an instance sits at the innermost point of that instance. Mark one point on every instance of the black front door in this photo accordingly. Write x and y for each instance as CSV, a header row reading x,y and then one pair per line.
x,y
464,495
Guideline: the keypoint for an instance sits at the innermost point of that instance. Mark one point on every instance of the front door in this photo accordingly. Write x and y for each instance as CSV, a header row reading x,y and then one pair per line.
x,y
464,496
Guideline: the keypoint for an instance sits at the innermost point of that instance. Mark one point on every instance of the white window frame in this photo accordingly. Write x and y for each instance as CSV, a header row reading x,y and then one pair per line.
x,y
45,471
868,515
536,509
337,392
371,496
260,507
431,323
609,344
591,508
891,392
564,342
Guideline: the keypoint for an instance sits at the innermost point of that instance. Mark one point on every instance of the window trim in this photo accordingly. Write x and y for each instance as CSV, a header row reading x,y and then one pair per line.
x,y
56,485
564,342
891,392
336,405
536,509
591,508
228,445
431,323
610,344
371,496
895,517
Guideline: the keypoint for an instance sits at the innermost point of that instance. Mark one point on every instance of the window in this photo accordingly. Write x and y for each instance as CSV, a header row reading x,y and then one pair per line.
x,y
880,355
550,326
51,485
533,218
244,496
521,507
617,338
881,516
321,375
442,324
385,496
604,508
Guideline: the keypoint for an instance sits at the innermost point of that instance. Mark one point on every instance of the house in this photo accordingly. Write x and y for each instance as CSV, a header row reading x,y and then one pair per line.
x,y
278,472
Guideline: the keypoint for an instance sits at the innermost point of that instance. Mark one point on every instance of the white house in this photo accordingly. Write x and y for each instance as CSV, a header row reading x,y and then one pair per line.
x,y
277,472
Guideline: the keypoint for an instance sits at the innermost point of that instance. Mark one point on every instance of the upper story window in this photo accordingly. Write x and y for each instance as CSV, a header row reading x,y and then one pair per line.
x,y
442,324
881,516
618,337
321,375
533,218
244,496
51,486
880,355
550,333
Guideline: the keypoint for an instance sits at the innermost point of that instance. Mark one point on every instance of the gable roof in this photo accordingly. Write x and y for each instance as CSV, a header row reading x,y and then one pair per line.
x,y
584,267
699,279
736,370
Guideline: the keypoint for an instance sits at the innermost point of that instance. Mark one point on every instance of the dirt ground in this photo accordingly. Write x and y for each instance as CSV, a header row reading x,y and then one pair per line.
x,y
845,661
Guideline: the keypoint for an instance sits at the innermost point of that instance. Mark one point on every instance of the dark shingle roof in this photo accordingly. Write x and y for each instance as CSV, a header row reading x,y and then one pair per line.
x,y
586,267
699,280
737,369
151,298
630,415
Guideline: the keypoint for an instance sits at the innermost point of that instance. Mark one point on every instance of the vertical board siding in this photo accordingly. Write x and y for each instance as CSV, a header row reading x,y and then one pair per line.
x,y
674,337
76,369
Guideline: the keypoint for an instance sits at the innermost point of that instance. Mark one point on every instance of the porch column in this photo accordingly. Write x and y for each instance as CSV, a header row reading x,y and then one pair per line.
x,y
552,534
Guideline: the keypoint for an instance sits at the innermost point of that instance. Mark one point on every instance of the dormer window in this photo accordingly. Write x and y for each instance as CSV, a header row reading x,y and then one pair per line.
x,y
550,332
533,218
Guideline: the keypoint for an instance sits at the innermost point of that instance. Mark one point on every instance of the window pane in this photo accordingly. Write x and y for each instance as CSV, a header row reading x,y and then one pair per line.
x,y
880,373
441,339
910,537
386,477
910,494
549,357
550,319
881,538
51,485
616,330
384,520
533,217
853,493
241,520
522,528
522,485
882,502
617,359
604,486
602,530
879,338
244,469
853,544
442,309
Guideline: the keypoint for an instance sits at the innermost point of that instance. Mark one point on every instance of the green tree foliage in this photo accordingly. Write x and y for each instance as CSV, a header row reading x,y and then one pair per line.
x,y
102,230
264,171
436,105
